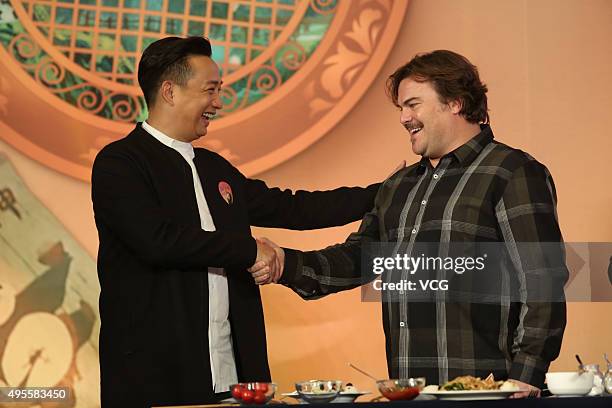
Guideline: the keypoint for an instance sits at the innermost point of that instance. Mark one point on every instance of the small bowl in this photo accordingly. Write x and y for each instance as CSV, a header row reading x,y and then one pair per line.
x,y
402,389
318,391
569,383
256,393
348,394
345,398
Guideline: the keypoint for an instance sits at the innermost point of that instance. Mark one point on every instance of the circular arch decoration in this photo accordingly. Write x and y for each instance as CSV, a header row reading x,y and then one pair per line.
x,y
292,69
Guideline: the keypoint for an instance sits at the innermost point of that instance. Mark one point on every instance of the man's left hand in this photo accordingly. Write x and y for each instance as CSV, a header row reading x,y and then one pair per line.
x,y
530,390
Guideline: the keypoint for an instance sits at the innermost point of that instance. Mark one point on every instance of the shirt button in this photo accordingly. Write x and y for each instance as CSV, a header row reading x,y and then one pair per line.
x,y
414,231
435,176
423,202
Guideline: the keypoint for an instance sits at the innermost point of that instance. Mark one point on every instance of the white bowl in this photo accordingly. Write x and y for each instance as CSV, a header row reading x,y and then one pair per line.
x,y
318,391
569,383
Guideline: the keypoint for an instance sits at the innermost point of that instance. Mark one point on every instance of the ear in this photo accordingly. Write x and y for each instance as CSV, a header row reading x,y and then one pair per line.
x,y
166,92
455,106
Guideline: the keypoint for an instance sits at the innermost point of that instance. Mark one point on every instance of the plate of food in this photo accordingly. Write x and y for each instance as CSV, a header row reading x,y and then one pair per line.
x,y
468,387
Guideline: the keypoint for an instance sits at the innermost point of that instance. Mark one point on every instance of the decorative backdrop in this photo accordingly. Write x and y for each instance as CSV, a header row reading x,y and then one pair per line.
x,y
521,49
68,86
292,69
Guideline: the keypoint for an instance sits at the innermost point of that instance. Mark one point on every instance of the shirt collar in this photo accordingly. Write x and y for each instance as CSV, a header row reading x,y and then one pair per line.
x,y
467,152
184,148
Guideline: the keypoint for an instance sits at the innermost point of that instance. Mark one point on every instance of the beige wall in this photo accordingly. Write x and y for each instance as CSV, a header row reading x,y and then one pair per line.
x,y
547,64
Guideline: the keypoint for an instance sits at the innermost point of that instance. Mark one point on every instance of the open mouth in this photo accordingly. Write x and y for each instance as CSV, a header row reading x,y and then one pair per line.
x,y
208,116
413,127
414,131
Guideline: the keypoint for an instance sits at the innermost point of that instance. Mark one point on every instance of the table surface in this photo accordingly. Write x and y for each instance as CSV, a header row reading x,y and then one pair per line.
x,y
553,402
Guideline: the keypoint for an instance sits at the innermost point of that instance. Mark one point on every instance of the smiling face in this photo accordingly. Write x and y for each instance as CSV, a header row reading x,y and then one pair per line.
x,y
428,120
196,102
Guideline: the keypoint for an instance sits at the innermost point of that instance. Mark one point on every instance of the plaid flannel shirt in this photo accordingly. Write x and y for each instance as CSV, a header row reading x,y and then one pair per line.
x,y
484,191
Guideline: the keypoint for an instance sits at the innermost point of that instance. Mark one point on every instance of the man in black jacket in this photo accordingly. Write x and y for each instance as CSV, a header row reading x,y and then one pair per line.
x,y
182,319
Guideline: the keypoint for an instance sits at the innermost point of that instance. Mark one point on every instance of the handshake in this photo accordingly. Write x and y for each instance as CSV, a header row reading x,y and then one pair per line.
x,y
269,264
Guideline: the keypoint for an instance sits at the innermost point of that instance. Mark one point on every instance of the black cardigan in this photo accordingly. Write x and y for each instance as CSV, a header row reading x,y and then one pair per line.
x,y
152,262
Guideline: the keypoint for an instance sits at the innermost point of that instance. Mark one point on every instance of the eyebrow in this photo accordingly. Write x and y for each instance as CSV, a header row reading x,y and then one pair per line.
x,y
212,82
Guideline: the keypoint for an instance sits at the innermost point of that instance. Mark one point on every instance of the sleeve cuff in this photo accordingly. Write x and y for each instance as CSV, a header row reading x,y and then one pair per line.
x,y
293,262
529,369
250,253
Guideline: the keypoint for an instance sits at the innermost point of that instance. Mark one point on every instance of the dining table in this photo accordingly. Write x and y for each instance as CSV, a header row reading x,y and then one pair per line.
x,y
546,402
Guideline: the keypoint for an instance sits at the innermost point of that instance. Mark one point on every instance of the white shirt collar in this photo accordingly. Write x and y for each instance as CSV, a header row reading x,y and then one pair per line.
x,y
184,148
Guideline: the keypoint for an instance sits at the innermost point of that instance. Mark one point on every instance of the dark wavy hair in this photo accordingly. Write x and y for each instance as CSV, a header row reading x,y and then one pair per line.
x,y
167,59
453,77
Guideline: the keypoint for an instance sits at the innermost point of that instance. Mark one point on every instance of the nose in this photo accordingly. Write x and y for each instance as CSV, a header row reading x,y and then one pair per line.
x,y
217,102
405,116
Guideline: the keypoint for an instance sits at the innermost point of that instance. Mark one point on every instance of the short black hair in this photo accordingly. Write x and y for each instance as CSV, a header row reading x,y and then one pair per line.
x,y
167,59
453,77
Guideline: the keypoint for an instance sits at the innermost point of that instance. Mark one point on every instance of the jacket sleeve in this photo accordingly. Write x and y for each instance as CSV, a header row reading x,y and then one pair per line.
x,y
304,210
314,274
526,215
126,206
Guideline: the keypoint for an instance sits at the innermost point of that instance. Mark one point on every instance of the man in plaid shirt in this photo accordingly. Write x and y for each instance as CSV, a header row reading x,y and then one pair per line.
x,y
467,188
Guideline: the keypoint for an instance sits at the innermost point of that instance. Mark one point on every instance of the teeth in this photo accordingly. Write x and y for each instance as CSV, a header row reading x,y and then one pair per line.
x,y
208,116
413,131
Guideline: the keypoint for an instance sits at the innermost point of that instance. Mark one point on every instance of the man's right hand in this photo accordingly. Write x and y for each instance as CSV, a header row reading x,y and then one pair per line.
x,y
280,260
267,266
